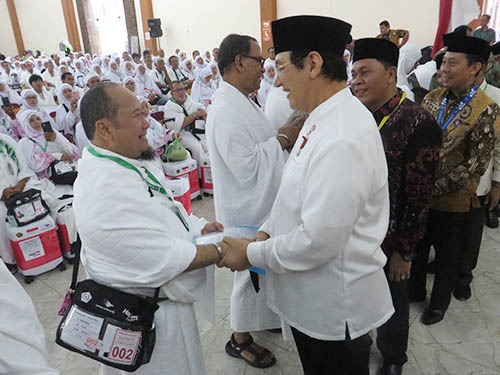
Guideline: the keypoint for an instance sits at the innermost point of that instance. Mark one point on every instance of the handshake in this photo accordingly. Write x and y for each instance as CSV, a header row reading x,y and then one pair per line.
x,y
234,251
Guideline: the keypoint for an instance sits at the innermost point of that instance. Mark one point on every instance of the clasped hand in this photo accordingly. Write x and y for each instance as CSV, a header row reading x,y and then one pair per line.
x,y
235,251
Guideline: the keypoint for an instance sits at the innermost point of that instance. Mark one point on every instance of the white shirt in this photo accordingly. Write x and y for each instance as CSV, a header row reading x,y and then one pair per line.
x,y
324,262
46,100
176,74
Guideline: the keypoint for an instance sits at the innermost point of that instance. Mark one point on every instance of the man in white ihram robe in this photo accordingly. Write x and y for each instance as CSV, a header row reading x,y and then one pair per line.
x,y
21,335
247,160
136,238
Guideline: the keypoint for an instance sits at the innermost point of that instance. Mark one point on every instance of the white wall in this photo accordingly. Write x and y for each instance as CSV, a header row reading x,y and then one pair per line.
x,y
7,41
202,25
196,24
419,17
42,24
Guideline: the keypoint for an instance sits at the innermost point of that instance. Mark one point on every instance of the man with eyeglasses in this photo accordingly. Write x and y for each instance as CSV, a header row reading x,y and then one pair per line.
x,y
186,117
247,158
320,245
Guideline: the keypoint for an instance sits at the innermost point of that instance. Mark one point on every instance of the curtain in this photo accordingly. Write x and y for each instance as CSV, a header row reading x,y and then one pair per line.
x,y
445,7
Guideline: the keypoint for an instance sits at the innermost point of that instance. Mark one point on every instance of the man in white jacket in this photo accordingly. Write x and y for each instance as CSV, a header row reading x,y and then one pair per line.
x,y
320,246
247,157
135,237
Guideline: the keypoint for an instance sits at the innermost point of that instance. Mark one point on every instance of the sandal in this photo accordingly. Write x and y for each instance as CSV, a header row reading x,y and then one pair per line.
x,y
234,350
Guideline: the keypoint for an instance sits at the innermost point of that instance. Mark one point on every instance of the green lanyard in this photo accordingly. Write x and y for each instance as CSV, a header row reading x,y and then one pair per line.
x,y
44,149
386,117
152,183
5,147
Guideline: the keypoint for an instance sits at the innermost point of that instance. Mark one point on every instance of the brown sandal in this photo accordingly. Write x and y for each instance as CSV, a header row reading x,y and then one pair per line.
x,y
234,350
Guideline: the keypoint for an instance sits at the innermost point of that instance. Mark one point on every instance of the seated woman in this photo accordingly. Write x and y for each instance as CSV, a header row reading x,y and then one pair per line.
x,y
127,69
188,69
67,114
6,92
29,100
42,149
158,137
16,131
266,83
199,64
129,84
113,74
145,86
216,77
203,88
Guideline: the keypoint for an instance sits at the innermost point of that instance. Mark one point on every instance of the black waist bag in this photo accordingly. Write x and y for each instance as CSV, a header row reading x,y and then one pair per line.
x,y
26,207
109,326
62,173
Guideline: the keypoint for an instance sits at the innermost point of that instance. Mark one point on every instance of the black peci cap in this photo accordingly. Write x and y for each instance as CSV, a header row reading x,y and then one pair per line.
x,y
375,48
467,44
315,33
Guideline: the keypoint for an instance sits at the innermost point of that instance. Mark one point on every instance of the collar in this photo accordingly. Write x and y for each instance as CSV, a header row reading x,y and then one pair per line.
x,y
104,151
452,97
483,85
388,107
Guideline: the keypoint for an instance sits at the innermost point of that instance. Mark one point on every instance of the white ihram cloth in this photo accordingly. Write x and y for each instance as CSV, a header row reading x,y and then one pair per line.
x,y
21,334
278,109
134,242
323,261
247,163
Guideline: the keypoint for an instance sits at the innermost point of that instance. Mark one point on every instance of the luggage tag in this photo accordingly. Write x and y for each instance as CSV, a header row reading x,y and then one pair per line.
x,y
65,305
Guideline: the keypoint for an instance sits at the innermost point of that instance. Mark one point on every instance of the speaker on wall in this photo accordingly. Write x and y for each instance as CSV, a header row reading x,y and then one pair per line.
x,y
154,25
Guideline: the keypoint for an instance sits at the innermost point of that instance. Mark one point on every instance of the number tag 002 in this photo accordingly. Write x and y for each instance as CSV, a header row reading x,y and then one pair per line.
x,y
124,346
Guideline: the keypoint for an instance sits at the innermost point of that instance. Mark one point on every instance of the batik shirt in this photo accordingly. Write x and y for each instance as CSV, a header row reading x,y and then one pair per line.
x,y
412,141
468,144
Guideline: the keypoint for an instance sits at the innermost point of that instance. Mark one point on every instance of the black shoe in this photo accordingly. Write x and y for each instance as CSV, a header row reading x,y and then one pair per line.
x,y
462,292
431,267
432,316
12,268
491,219
391,370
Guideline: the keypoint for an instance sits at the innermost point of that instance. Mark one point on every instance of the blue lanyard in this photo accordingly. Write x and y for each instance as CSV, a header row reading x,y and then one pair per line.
x,y
457,110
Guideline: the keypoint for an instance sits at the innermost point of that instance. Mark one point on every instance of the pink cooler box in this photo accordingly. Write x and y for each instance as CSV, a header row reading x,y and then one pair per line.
x,y
206,175
182,168
35,246
180,191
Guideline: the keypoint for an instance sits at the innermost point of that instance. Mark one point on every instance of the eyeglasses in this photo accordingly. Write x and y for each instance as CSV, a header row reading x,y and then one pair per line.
x,y
259,59
280,68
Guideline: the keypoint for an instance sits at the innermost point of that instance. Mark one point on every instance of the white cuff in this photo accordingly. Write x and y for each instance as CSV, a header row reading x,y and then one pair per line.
x,y
255,251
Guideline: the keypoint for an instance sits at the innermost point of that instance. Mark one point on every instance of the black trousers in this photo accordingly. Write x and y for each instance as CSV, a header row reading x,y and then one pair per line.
x,y
447,231
319,357
392,336
470,250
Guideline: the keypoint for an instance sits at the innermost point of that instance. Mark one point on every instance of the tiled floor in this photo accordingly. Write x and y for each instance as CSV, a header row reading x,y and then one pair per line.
x,y
466,342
